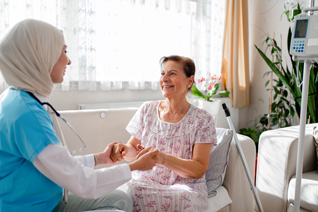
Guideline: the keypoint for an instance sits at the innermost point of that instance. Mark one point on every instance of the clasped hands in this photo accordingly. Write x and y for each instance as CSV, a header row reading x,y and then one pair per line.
x,y
119,151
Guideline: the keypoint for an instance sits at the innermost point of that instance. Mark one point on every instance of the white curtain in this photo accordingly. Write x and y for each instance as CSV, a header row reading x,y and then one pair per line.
x,y
117,44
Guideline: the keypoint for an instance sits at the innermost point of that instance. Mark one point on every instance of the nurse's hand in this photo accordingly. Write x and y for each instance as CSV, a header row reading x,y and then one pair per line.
x,y
104,157
118,152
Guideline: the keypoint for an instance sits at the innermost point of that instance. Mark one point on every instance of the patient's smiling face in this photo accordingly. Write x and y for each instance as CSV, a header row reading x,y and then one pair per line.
x,y
173,81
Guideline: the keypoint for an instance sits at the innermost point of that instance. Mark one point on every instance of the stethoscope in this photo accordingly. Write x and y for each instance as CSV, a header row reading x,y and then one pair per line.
x,y
59,115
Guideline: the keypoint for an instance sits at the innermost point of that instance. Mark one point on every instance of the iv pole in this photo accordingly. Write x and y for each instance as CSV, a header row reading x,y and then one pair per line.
x,y
300,151
302,127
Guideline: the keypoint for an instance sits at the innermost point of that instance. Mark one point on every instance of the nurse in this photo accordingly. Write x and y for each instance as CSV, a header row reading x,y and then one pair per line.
x,y
34,165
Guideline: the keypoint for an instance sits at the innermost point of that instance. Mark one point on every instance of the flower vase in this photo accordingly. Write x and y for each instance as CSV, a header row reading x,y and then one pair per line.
x,y
211,107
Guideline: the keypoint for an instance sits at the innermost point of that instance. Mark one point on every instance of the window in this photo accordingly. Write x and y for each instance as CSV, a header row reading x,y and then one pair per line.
x,y
116,44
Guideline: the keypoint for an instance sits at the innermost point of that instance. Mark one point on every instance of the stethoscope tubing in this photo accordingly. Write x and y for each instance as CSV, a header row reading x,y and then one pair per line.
x,y
59,115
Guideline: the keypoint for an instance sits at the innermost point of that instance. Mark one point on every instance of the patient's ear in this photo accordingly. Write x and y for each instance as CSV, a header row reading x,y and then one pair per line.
x,y
190,81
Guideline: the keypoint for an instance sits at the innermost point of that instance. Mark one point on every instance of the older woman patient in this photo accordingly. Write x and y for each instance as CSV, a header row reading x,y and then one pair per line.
x,y
182,133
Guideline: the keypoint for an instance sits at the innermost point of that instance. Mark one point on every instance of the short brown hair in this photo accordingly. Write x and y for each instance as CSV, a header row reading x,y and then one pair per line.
x,y
187,63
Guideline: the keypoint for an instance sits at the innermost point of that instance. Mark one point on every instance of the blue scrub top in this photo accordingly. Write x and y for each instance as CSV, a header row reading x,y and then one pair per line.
x,y
25,130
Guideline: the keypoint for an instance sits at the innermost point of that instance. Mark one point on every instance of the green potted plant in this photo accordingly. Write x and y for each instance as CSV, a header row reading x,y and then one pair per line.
x,y
282,110
291,79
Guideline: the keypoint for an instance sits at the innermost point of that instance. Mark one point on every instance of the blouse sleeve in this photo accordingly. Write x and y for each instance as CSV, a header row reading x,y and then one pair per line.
x,y
205,131
137,123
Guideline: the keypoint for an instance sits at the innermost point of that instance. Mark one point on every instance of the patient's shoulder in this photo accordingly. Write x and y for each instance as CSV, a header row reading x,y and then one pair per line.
x,y
148,108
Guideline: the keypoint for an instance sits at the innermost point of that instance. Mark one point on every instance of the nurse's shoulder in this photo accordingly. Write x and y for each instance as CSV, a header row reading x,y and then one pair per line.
x,y
18,106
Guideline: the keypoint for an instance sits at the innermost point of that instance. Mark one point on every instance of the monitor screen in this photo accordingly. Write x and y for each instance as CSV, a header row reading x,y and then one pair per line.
x,y
301,28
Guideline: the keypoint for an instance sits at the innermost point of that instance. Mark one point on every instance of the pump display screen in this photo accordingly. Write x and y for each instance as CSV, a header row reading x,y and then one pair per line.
x,y
301,28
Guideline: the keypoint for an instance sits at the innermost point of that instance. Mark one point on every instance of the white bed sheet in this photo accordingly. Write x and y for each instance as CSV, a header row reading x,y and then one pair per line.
x,y
219,201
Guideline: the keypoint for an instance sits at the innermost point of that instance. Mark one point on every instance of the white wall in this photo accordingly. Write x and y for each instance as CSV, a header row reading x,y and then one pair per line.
x,y
265,15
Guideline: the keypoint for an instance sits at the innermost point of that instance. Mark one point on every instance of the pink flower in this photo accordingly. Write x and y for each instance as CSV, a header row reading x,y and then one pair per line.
x,y
211,85
199,81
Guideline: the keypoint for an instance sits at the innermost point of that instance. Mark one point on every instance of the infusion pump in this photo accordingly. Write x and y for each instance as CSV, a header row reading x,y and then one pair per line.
x,y
304,41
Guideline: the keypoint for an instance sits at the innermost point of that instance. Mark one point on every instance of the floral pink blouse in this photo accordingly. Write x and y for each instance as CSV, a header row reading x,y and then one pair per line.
x,y
161,189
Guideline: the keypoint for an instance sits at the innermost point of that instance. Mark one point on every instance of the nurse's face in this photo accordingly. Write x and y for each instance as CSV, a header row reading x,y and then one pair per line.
x,y
59,69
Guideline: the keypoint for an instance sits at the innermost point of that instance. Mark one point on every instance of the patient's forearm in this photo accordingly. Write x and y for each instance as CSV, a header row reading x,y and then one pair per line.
x,y
184,167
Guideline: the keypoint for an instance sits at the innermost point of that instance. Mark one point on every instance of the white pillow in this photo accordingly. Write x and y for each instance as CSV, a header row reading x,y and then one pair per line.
x,y
219,156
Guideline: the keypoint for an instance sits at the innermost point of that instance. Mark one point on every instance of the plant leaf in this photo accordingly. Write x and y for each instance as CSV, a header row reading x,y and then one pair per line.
x,y
287,15
275,96
264,120
224,93
276,90
195,91
292,111
267,73
274,121
274,105
267,83
275,70
286,113
282,98
213,91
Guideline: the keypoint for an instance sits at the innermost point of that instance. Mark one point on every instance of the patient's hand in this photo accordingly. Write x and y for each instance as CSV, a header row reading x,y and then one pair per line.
x,y
159,157
118,152
140,148
144,162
